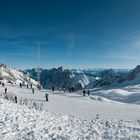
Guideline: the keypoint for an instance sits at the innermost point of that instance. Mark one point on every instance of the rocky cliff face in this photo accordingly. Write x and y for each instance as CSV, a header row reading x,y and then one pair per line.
x,y
62,78
79,79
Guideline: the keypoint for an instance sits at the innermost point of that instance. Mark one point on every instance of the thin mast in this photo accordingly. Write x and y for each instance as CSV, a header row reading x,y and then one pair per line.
x,y
38,69
38,55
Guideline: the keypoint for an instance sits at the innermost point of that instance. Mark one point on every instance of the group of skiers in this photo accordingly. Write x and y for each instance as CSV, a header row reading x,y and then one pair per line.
x,y
31,86
20,85
6,96
70,89
33,89
60,89
86,92
3,85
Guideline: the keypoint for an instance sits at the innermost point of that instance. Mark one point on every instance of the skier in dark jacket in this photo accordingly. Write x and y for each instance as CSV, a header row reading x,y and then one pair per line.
x,y
72,89
84,92
5,90
33,90
31,85
15,99
53,88
20,85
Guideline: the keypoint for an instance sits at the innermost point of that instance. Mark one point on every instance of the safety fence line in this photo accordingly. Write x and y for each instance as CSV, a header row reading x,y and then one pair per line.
x,y
31,104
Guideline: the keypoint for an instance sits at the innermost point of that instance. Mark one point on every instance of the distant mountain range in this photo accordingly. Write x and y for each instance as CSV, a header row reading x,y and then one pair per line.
x,y
79,79
114,78
62,78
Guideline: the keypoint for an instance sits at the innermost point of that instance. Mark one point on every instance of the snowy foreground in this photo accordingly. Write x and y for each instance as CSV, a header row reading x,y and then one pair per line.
x,y
19,123
71,116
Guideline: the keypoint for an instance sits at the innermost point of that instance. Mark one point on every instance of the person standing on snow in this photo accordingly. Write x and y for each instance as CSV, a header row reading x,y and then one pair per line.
x,y
84,92
31,85
20,85
33,90
72,89
53,88
46,96
64,89
5,90
15,99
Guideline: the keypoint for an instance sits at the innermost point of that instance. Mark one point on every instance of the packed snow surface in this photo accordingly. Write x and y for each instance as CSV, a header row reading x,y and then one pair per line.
x,y
103,102
70,116
19,123
128,94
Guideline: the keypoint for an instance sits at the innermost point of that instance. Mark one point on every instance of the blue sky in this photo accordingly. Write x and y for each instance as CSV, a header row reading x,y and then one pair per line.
x,y
72,33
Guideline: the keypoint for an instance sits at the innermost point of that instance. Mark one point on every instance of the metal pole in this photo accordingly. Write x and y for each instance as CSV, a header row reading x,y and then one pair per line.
x,y
38,69
38,54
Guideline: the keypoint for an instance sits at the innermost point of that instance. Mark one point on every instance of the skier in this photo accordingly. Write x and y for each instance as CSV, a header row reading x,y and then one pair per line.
x,y
27,86
53,88
31,85
88,92
20,85
3,84
5,90
84,92
15,99
33,90
72,89
46,95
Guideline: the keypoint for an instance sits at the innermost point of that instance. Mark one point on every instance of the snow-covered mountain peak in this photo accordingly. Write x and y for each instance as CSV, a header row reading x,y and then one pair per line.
x,y
15,76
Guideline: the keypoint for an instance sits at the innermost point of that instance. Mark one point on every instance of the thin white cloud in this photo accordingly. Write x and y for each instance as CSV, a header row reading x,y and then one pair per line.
x,y
71,38
121,57
131,36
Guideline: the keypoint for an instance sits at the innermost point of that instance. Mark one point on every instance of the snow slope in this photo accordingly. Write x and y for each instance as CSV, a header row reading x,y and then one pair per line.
x,y
15,76
128,94
77,105
69,116
19,123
